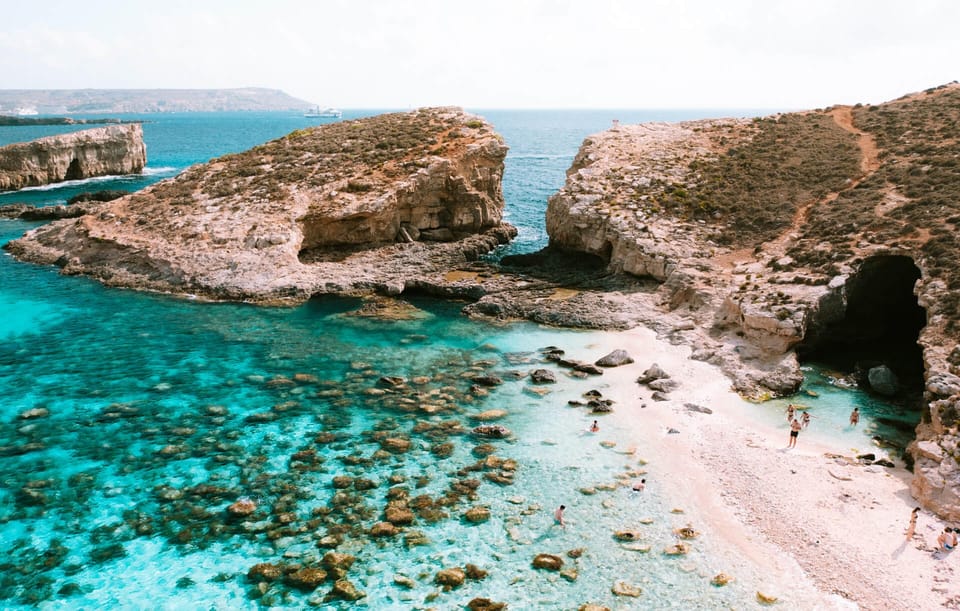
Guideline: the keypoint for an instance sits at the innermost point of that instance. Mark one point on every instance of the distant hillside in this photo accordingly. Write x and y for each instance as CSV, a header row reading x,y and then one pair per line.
x,y
66,101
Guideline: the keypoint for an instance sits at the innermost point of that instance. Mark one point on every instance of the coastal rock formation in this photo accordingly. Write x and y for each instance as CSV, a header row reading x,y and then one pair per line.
x,y
828,235
375,204
103,151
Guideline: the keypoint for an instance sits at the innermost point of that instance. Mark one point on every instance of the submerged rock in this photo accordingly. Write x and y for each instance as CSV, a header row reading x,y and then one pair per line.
x,y
622,588
485,604
477,515
492,431
543,376
549,562
450,578
264,571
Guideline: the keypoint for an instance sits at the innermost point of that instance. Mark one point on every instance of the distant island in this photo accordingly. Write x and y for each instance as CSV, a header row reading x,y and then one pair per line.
x,y
7,120
23,102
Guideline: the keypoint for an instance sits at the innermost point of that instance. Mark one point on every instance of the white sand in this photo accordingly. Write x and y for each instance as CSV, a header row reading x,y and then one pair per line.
x,y
781,508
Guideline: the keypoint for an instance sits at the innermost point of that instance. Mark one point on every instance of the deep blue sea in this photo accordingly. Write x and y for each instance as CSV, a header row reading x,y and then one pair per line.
x,y
129,422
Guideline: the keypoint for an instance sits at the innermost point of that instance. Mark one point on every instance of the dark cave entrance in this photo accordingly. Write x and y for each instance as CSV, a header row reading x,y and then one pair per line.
x,y
879,326
73,170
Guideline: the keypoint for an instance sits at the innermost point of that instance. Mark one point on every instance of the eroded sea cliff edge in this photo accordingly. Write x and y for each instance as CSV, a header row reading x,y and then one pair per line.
x,y
827,236
102,151
374,204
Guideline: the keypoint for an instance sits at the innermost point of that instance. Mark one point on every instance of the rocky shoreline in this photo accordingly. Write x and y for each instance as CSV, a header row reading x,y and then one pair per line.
x,y
754,242
102,151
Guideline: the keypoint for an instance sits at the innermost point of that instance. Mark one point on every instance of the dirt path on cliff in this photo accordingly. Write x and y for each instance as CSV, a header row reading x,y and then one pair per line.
x,y
869,163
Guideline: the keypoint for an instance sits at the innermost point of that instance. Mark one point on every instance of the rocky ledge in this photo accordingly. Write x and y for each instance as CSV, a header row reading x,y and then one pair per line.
x,y
368,205
103,151
829,236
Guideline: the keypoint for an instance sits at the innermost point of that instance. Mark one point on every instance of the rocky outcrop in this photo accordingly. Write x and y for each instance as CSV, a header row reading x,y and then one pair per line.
x,y
808,235
375,204
103,151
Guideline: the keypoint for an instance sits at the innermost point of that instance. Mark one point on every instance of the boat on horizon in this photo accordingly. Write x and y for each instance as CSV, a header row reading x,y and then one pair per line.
x,y
328,113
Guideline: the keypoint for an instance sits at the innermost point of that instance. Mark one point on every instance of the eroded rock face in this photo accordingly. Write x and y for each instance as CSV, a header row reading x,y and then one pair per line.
x,y
371,204
755,262
103,151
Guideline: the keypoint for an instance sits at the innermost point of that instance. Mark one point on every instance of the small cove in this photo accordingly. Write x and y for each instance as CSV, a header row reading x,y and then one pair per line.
x,y
148,394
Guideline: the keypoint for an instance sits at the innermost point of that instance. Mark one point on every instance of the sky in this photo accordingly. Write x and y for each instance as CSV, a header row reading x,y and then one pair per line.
x,y
494,53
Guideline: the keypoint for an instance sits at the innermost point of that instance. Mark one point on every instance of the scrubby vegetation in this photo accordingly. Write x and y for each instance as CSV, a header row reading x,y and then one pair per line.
x,y
756,187
912,201
386,144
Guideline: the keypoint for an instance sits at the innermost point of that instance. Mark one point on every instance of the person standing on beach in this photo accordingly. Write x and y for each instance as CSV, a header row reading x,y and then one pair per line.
x,y
855,416
558,516
795,427
790,412
913,523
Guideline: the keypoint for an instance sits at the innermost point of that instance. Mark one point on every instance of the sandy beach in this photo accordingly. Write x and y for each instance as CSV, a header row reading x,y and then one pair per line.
x,y
837,523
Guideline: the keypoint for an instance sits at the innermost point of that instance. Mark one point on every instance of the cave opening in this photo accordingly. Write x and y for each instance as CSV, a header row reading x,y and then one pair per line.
x,y
879,326
73,170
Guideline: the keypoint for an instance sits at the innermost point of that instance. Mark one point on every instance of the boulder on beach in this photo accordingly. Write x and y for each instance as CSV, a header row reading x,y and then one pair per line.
x,y
653,372
614,359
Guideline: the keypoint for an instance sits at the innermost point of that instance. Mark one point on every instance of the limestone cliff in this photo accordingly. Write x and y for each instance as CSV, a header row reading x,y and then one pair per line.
x,y
827,235
370,204
103,151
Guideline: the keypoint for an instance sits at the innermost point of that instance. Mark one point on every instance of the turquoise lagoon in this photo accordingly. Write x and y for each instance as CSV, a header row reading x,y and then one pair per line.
x,y
163,411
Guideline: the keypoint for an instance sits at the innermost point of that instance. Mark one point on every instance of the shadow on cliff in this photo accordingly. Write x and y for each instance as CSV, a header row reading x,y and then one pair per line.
x,y
570,269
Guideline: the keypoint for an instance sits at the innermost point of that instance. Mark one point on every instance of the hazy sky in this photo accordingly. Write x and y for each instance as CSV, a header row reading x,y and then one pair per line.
x,y
494,53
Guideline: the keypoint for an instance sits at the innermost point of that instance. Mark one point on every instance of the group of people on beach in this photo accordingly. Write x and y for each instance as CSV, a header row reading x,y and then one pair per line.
x,y
798,424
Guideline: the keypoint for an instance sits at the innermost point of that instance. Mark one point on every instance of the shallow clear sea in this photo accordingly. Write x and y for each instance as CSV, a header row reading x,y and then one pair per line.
x,y
161,412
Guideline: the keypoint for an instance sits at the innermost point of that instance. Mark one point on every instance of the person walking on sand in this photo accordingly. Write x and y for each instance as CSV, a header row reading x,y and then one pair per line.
x,y
795,427
855,416
913,523
806,419
558,516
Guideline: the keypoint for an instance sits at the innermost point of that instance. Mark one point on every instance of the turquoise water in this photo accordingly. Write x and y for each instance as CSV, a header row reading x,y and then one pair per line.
x,y
161,412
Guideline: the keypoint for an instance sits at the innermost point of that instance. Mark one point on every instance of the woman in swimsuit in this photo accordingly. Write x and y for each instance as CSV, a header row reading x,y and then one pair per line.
x,y
947,539
913,523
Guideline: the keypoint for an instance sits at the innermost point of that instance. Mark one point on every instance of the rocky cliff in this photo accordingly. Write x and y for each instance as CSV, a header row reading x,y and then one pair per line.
x,y
371,204
828,235
103,151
